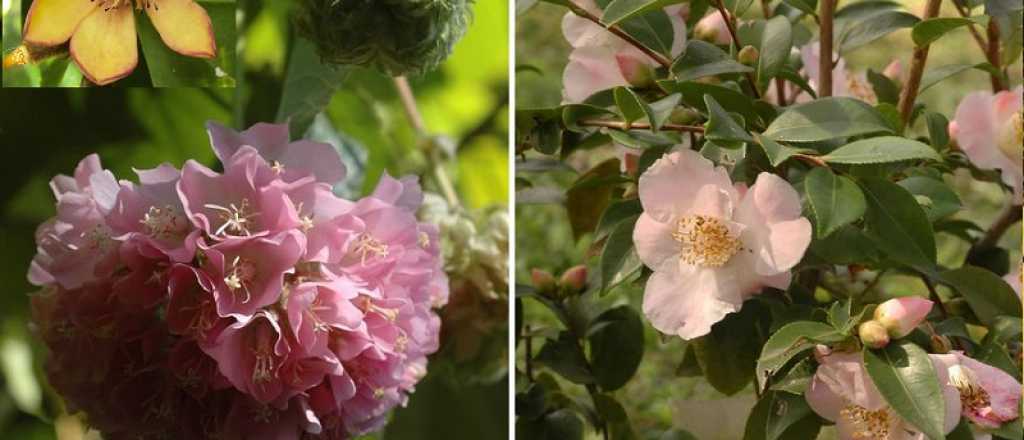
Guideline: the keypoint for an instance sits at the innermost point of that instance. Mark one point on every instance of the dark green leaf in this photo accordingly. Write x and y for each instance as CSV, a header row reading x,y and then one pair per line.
x,y
630,105
662,109
615,257
836,200
886,90
796,379
701,59
617,348
728,354
938,131
776,152
897,223
308,87
563,356
617,211
825,119
937,198
619,10
722,128
934,76
927,31
573,113
877,26
614,416
906,378
883,149
776,43
789,341
988,295
731,100
585,205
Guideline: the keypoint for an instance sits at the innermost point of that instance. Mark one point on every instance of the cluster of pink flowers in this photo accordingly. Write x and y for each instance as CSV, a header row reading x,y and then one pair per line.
x,y
252,303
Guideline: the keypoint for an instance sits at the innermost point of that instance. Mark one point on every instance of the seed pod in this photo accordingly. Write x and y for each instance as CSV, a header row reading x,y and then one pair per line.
x,y
396,37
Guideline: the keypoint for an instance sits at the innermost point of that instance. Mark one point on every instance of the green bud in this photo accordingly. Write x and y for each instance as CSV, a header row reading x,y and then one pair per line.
x,y
873,334
684,116
748,55
396,37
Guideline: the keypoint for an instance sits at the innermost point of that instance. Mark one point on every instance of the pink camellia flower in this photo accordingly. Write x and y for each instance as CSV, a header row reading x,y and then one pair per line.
x,y
293,160
842,392
990,130
900,316
76,244
989,396
710,244
713,29
844,82
600,60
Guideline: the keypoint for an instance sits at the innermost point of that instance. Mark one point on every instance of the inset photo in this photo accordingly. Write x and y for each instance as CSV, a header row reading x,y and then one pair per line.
x,y
136,43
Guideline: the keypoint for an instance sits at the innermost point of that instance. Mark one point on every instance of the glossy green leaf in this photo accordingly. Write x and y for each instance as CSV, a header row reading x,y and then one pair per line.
x,y
617,348
778,153
728,354
308,87
936,75
701,59
836,200
882,149
897,223
632,108
732,100
927,31
615,257
614,417
776,44
722,128
870,29
937,198
662,109
906,378
789,341
827,118
988,294
619,10
563,356
938,131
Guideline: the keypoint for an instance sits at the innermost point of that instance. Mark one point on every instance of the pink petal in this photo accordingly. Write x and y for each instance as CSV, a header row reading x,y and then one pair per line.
x,y
591,69
686,302
668,188
654,243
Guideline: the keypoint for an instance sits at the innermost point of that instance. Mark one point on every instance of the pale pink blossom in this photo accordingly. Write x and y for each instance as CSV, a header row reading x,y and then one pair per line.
x,y
900,316
989,129
600,60
293,160
989,396
845,83
711,244
842,392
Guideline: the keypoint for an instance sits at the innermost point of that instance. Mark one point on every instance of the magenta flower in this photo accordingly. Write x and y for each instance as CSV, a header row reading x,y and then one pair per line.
x,y
249,274
250,353
900,316
989,128
293,160
989,396
712,245
842,392
600,60
151,213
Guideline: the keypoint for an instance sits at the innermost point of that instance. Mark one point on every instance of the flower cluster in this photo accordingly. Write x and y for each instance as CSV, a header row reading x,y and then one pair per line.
x,y
248,303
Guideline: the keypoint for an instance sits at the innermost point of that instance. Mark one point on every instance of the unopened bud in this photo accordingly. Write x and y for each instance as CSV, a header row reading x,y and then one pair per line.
x,y
748,55
894,71
941,344
543,281
873,334
683,116
712,29
575,278
635,70
900,316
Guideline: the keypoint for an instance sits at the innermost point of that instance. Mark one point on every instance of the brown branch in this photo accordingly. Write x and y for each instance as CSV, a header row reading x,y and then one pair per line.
x,y
934,295
622,125
826,12
656,56
730,24
992,53
909,95
1009,216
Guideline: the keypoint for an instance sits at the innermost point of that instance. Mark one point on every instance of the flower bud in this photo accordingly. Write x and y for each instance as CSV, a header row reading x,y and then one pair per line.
x,y
542,279
712,28
748,55
941,344
636,72
683,116
873,334
894,71
575,278
900,316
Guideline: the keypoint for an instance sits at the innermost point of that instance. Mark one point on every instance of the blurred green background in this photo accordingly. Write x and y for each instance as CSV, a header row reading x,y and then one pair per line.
x,y
46,132
656,399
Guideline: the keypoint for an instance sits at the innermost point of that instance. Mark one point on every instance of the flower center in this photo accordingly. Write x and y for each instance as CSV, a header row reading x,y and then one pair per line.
x,y
706,241
972,395
241,275
263,369
367,246
236,218
109,5
163,222
868,424
1011,137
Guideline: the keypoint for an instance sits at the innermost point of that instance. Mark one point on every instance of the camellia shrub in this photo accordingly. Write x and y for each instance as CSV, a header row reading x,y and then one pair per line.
x,y
248,303
779,209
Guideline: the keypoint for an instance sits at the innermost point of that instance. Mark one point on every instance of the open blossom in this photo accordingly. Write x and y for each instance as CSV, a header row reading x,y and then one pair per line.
x,y
600,60
251,303
102,32
989,396
711,244
990,130
842,392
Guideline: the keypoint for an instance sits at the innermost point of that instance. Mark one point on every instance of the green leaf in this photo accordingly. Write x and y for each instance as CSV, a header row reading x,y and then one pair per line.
x,y
885,89
630,105
825,119
722,128
662,109
937,198
906,378
617,348
796,379
701,59
585,204
614,416
573,113
728,354
872,28
619,10
883,149
897,224
561,424
809,7
938,131
836,200
927,31
618,249
563,356
733,101
776,43
617,211
653,30
776,152
790,340
171,69
780,415
934,76
988,295
308,87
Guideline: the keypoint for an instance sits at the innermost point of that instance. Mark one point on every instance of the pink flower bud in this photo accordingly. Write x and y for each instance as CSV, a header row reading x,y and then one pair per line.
x,y
712,28
901,315
635,70
748,55
873,334
542,279
894,71
574,278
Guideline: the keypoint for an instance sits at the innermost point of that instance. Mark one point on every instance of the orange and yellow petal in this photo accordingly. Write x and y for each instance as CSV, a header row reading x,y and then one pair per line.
x,y
184,26
51,22
104,45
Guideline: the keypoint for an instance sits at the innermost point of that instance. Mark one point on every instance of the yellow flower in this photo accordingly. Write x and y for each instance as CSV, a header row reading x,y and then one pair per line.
x,y
102,32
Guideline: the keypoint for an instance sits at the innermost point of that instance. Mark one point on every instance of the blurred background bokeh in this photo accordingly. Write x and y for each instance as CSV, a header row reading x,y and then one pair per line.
x,y
661,396
46,132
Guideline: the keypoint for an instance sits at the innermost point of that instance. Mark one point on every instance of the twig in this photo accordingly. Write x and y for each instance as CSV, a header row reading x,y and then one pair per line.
x,y
529,353
826,12
909,95
412,112
621,125
1010,215
934,295
658,57
731,25
486,123
992,53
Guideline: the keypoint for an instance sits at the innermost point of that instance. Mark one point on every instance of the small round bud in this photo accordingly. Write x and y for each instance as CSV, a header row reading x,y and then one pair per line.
x,y
575,278
873,334
683,116
542,280
748,55
636,71
900,316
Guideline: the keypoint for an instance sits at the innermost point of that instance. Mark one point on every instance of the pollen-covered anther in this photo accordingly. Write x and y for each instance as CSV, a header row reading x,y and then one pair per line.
x,y
264,369
236,217
874,425
972,395
367,246
1011,137
277,167
423,240
163,222
240,276
706,241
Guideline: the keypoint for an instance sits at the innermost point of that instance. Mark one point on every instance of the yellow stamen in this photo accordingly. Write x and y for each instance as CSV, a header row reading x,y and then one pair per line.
x,y
706,241
872,425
